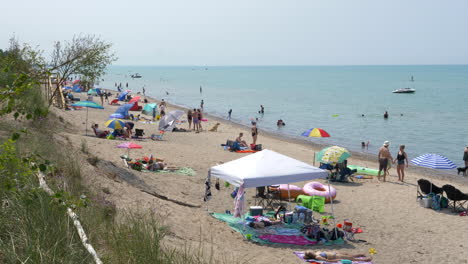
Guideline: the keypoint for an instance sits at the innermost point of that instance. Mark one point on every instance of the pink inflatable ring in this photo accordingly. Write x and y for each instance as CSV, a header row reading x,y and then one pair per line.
x,y
316,188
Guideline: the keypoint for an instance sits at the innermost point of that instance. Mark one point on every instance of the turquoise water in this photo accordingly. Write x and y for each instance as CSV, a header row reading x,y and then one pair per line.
x,y
434,119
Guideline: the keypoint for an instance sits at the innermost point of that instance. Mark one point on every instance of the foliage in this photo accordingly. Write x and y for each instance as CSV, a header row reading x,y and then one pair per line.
x,y
85,55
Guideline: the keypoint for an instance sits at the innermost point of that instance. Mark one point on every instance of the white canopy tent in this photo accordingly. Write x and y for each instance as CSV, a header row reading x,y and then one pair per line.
x,y
266,168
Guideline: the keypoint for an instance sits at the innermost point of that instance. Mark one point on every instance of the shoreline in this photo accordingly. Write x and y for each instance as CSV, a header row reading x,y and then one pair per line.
x,y
369,159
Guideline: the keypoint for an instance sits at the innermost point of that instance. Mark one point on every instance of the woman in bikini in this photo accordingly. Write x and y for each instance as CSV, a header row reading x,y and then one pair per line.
x,y
254,132
335,256
195,120
400,159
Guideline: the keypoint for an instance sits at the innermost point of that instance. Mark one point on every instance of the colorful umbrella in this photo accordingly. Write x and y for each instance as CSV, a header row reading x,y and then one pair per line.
x,y
88,104
115,123
434,161
128,146
333,154
315,132
116,115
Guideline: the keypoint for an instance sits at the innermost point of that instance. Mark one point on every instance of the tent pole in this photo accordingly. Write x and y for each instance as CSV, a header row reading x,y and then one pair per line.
x,y
314,158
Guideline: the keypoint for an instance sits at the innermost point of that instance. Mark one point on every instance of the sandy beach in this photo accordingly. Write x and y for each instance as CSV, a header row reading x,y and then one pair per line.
x,y
393,222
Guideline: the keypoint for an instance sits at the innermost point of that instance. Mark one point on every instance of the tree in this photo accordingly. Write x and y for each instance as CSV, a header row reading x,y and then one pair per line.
x,y
86,55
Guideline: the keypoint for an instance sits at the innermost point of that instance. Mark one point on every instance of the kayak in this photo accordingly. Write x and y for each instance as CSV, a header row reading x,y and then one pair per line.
x,y
364,170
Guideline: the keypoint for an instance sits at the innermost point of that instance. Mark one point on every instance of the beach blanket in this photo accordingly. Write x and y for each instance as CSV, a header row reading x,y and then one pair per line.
x,y
246,151
287,239
300,254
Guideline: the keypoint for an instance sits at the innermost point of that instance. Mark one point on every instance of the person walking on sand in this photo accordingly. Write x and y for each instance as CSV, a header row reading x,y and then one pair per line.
x,y
229,114
400,159
384,156
189,118
254,133
465,156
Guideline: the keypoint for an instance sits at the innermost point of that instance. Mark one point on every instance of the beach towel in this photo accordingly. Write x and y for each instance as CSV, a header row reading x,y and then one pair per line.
x,y
246,151
184,171
287,239
300,254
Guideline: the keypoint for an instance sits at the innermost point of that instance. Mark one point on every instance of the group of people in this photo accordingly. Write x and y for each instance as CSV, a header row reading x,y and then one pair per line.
x,y
385,158
195,116
242,142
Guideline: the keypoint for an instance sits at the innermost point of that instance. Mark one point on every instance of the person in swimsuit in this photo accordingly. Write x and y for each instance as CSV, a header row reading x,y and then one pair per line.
x,y
384,156
254,132
465,156
335,256
189,118
264,223
241,142
400,159
195,120
200,117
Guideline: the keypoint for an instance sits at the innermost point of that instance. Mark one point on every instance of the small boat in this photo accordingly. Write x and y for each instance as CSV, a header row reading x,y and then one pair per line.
x,y
406,90
136,75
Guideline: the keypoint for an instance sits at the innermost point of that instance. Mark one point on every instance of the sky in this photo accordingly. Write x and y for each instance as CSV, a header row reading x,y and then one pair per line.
x,y
250,32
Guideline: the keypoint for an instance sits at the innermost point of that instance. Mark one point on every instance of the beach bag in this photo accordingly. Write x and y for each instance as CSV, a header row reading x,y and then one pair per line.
x,y
333,235
317,203
436,202
443,202
258,147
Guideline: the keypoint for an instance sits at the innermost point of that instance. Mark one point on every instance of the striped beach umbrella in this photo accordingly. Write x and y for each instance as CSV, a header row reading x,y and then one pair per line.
x,y
88,104
115,123
434,161
315,132
332,154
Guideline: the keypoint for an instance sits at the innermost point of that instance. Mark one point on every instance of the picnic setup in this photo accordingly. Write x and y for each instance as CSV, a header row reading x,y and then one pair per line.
x,y
283,213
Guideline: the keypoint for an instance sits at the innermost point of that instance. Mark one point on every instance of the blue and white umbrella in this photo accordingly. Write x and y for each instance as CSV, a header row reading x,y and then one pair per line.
x,y
434,161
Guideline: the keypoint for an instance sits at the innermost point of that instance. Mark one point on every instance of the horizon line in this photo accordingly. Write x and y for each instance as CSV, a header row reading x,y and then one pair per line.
x,y
283,65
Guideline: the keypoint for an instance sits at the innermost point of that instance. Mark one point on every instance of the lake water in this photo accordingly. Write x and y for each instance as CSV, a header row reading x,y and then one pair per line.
x,y
334,98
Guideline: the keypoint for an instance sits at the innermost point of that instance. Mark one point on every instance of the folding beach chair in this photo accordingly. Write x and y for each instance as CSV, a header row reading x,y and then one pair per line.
x,y
455,197
158,137
139,133
425,187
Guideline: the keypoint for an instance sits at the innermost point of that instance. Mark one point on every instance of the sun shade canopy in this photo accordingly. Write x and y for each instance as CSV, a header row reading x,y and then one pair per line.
x,y
266,168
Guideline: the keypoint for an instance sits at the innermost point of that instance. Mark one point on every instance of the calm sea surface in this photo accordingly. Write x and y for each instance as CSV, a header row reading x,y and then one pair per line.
x,y
432,120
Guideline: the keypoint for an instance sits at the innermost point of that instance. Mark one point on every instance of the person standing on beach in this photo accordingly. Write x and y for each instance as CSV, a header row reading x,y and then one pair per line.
x,y
400,159
229,114
200,117
384,157
254,133
189,118
195,119
144,91
465,156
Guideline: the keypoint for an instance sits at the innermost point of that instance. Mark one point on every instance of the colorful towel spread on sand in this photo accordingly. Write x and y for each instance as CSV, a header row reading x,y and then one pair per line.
x,y
300,254
286,239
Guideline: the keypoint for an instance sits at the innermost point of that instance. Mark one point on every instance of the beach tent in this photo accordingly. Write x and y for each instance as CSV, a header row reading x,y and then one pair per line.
x,y
167,123
135,106
123,110
92,92
266,168
76,88
148,109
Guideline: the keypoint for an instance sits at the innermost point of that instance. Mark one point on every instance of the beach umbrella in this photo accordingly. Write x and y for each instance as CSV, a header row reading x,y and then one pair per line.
x,y
134,99
122,96
315,132
88,104
148,109
128,146
123,110
433,161
116,115
334,154
168,122
92,91
115,123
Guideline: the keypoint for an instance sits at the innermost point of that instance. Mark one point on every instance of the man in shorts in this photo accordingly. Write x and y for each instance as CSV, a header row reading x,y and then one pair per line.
x,y
384,157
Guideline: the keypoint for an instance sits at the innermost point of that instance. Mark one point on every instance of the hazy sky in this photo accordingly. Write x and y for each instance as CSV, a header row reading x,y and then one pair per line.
x,y
251,32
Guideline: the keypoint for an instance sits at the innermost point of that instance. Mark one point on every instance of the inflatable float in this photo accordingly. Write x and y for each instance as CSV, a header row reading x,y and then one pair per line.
x,y
204,120
364,170
294,191
317,188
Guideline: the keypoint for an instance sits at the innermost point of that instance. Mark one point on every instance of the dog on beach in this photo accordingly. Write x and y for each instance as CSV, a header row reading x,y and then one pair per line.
x,y
460,169
215,128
